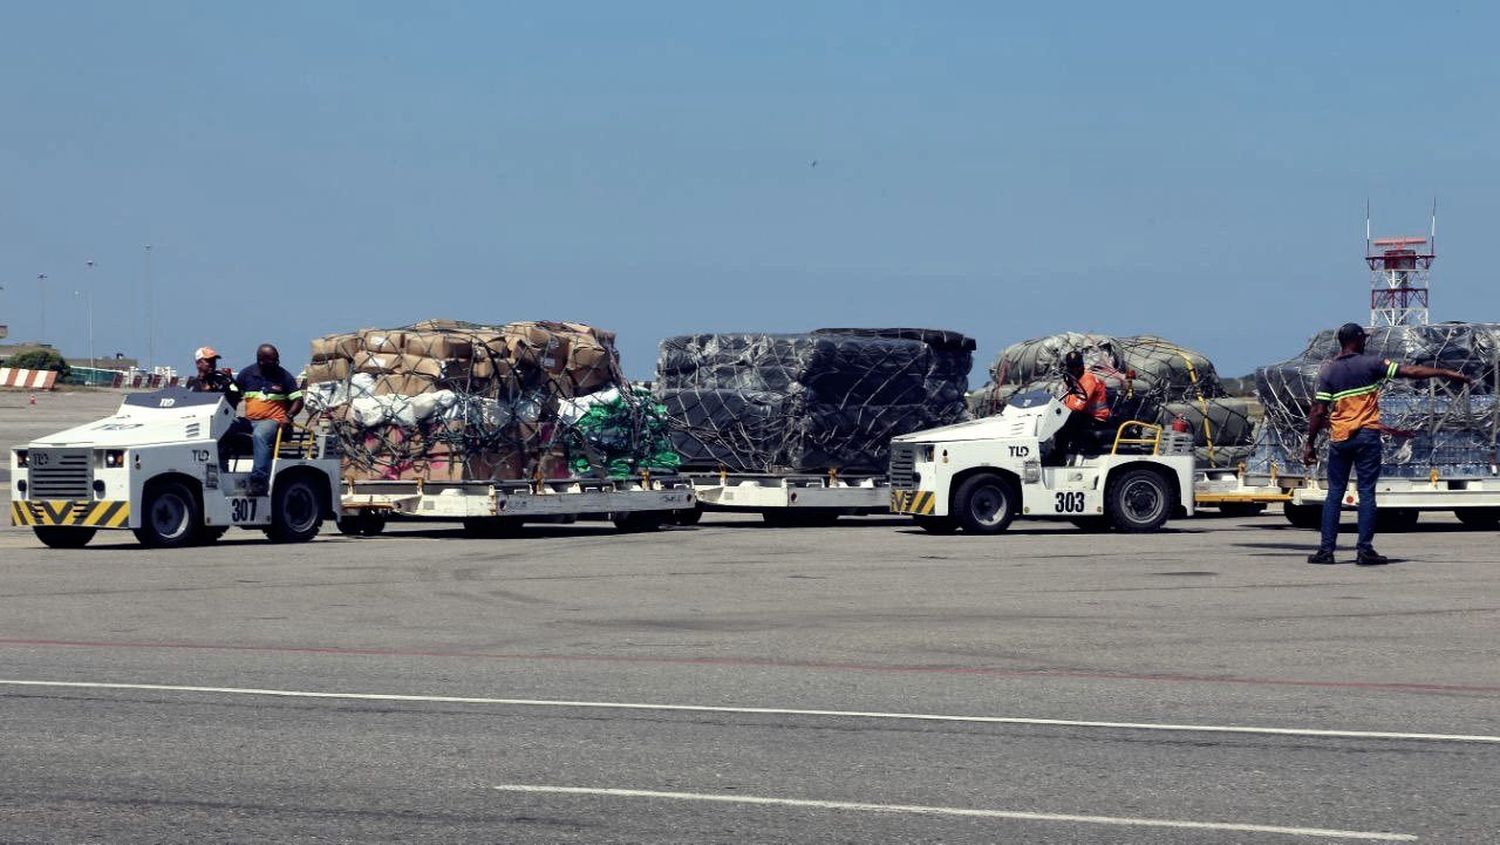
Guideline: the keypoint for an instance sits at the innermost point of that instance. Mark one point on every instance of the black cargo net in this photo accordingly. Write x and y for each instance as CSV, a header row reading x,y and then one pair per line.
x,y
831,399
1452,428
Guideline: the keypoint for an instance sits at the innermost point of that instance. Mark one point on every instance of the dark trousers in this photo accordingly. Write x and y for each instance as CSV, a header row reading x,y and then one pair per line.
x,y
1080,434
1360,453
263,441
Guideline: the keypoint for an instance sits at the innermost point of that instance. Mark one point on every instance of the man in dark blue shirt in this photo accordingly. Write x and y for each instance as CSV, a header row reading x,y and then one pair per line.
x,y
1347,403
272,400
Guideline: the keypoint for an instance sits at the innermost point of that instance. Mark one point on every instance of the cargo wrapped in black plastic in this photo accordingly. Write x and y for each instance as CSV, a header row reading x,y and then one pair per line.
x,y
1456,429
1172,372
829,399
742,430
856,438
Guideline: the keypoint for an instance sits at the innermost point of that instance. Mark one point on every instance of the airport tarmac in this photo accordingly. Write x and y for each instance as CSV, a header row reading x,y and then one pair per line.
x,y
732,682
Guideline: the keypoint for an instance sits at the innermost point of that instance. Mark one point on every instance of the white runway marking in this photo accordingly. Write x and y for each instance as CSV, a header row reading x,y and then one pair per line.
x,y
917,809
767,711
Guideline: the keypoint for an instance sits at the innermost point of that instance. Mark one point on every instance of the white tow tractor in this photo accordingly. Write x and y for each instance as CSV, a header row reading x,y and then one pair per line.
x,y
167,467
980,475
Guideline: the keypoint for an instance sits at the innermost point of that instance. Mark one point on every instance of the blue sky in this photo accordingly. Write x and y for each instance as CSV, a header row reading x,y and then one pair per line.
x,y
1007,170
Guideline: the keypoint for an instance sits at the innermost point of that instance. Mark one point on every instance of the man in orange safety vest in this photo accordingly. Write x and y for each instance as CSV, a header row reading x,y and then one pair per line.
x,y
1089,402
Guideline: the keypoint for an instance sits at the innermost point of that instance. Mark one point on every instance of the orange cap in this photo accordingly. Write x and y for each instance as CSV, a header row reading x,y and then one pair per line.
x,y
206,353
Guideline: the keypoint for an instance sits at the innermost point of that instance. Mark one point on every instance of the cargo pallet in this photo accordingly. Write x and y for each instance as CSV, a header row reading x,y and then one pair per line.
x,y
495,508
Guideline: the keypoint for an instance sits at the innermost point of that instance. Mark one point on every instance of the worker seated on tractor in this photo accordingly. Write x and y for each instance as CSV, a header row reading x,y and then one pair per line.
x,y
1088,424
211,379
272,400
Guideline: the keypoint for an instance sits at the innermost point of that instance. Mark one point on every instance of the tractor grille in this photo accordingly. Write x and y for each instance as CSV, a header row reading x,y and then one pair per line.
x,y
59,474
903,466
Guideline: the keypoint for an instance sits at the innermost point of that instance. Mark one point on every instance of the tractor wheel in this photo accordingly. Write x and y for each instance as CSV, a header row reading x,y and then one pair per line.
x,y
59,537
986,504
1139,500
296,511
171,517
688,516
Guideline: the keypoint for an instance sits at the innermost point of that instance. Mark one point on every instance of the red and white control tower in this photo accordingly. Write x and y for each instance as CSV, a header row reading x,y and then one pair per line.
x,y
1399,275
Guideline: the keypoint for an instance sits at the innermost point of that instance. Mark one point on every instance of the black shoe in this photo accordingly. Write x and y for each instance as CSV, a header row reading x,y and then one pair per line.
x,y
1321,556
1372,558
256,487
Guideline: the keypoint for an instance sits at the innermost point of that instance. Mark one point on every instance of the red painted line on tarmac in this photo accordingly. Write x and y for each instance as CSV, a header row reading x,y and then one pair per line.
x,y
751,662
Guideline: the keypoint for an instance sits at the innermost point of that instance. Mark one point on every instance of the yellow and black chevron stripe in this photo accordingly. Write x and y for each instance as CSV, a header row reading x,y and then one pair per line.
x,y
916,502
80,514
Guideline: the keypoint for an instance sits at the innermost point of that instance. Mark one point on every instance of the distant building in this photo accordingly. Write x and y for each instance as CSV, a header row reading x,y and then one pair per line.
x,y
119,362
9,349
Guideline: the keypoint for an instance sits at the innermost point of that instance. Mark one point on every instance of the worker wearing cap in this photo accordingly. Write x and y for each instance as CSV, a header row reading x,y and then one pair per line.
x,y
272,400
211,379
1347,403
1089,402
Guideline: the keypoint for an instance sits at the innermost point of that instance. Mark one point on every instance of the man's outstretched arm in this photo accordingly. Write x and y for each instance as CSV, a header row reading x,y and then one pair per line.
x,y
1417,371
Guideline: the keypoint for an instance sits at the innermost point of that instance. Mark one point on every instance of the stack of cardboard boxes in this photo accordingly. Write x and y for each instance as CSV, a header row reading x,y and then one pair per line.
x,y
458,401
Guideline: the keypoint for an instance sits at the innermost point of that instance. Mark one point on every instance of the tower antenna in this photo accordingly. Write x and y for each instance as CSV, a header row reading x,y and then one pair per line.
x,y
1399,275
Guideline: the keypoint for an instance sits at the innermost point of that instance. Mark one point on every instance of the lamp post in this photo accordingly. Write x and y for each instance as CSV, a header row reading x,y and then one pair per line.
x,y
41,287
88,304
150,362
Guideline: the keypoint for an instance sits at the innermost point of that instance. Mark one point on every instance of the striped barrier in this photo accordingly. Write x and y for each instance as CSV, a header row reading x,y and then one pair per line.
x,y
79,514
915,502
151,381
27,379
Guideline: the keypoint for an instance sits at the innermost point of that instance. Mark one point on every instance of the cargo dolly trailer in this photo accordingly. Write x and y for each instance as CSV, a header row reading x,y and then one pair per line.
x,y
497,508
1400,501
792,498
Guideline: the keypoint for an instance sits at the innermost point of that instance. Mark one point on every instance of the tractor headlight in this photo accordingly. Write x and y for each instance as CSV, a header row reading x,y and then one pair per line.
x,y
114,458
23,458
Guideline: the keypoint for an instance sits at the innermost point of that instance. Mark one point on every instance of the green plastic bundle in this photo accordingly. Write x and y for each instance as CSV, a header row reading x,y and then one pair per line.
x,y
622,437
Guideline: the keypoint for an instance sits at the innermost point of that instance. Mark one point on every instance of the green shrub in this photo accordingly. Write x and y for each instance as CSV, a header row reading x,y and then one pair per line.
x,y
39,359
